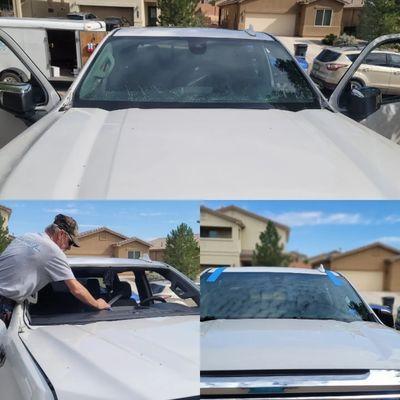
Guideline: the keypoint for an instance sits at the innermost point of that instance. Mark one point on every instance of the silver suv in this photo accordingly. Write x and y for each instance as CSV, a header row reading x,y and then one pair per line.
x,y
380,70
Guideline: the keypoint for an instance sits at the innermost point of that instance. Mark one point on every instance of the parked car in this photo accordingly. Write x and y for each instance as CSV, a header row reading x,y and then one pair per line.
x,y
79,16
381,69
115,22
58,348
219,106
283,332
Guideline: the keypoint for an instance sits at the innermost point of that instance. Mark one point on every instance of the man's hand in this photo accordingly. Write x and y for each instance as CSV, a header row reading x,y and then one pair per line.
x,y
102,305
81,293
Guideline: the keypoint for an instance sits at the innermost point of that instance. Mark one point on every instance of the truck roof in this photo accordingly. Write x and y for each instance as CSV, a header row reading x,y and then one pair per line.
x,y
52,23
193,32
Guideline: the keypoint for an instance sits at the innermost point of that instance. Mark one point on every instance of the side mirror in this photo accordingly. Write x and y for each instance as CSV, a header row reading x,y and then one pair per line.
x,y
17,98
3,333
364,101
384,314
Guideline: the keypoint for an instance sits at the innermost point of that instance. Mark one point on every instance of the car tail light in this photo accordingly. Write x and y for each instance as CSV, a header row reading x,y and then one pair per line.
x,y
335,66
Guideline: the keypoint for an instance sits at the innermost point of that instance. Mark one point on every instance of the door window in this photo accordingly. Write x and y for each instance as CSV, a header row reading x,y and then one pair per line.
x,y
378,59
394,60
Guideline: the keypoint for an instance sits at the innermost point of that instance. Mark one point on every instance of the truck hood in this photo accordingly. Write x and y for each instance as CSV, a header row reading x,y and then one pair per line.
x,y
228,345
155,358
199,153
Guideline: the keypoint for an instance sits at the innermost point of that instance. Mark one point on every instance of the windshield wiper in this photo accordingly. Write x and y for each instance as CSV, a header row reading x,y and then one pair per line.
x,y
208,318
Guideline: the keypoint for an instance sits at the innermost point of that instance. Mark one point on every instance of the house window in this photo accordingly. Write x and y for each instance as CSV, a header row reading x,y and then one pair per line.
x,y
323,17
215,232
134,254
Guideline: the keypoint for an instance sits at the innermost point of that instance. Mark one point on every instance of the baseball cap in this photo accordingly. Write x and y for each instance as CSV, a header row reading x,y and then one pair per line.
x,y
69,225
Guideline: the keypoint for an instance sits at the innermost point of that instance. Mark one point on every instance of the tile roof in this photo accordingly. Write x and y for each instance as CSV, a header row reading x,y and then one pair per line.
x,y
102,229
131,240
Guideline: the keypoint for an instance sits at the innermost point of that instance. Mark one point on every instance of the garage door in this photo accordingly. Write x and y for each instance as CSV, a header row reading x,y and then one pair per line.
x,y
102,12
276,24
365,280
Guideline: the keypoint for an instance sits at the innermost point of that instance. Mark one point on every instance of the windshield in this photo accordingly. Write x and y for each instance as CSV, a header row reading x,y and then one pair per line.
x,y
194,72
240,295
130,294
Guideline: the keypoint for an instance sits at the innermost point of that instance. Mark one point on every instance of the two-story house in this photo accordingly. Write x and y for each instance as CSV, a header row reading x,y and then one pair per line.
x,y
228,236
306,18
5,213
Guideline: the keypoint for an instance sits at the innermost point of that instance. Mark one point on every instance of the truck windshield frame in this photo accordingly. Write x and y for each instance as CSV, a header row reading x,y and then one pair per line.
x,y
199,72
280,295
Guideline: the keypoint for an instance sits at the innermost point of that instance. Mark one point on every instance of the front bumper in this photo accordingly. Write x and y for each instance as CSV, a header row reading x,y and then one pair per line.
x,y
304,385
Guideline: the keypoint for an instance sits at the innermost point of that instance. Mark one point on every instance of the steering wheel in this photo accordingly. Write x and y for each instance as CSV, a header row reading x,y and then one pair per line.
x,y
155,298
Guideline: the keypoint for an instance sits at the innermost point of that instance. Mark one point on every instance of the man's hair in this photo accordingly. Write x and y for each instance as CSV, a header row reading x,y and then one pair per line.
x,y
52,229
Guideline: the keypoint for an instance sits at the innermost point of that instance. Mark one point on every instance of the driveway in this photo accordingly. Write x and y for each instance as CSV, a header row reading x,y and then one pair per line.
x,y
314,45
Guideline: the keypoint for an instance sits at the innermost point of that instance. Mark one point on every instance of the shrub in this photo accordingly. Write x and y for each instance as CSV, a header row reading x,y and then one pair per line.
x,y
345,40
329,39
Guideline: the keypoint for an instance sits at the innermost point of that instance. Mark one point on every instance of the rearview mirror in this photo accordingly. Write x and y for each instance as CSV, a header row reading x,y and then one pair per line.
x,y
384,314
364,101
16,98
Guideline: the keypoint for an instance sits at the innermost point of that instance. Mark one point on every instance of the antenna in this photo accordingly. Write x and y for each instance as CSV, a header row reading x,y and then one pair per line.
x,y
321,268
250,30
145,257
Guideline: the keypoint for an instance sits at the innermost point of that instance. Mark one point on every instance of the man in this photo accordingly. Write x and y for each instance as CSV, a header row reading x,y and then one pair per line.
x,y
33,260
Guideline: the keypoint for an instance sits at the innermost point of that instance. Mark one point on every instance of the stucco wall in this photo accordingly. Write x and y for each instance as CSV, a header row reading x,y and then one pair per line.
x,y
98,244
365,280
308,28
368,260
230,16
250,235
217,251
122,251
351,16
394,276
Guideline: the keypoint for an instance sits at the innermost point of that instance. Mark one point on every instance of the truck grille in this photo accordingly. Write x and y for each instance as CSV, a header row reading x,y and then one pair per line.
x,y
302,385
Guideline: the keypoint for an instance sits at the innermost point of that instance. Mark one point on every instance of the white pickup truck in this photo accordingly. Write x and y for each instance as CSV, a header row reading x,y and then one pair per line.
x,y
144,348
194,113
280,333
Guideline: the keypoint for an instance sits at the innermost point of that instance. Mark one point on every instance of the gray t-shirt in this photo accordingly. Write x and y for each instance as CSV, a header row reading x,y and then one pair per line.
x,y
29,263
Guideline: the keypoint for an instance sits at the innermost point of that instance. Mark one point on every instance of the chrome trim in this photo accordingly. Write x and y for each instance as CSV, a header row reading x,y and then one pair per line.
x,y
15,87
363,384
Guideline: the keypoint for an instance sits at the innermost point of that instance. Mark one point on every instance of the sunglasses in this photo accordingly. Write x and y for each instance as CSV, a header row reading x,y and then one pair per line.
x,y
70,242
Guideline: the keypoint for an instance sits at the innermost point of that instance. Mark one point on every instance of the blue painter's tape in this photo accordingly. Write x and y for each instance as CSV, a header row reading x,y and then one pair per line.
x,y
215,275
334,279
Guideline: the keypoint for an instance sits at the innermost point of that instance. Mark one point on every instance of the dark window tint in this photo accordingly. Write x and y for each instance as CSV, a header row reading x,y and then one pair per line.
x,y
328,55
378,59
352,57
245,295
323,17
194,72
394,60
215,232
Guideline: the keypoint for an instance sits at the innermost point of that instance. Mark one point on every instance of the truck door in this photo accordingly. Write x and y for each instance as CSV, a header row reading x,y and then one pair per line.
x,y
373,97
21,80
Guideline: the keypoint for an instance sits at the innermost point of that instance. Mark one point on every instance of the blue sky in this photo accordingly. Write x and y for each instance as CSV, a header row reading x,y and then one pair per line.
x,y
144,219
319,226
316,226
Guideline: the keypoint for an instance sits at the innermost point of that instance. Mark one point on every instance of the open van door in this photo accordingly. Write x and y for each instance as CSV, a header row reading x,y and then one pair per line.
x,y
369,92
25,93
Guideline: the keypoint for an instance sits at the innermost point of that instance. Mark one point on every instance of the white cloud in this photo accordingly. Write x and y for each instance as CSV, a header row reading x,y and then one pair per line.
x,y
395,240
310,218
89,226
151,214
393,218
67,211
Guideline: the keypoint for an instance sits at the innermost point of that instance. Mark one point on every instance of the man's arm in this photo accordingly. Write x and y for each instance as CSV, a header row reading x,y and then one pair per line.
x,y
81,293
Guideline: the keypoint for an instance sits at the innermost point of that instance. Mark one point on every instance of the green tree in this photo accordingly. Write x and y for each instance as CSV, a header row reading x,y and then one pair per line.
x,y
379,17
179,13
182,251
4,236
269,252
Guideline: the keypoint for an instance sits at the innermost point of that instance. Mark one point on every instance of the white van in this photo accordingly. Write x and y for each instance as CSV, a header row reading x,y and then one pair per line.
x,y
59,47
